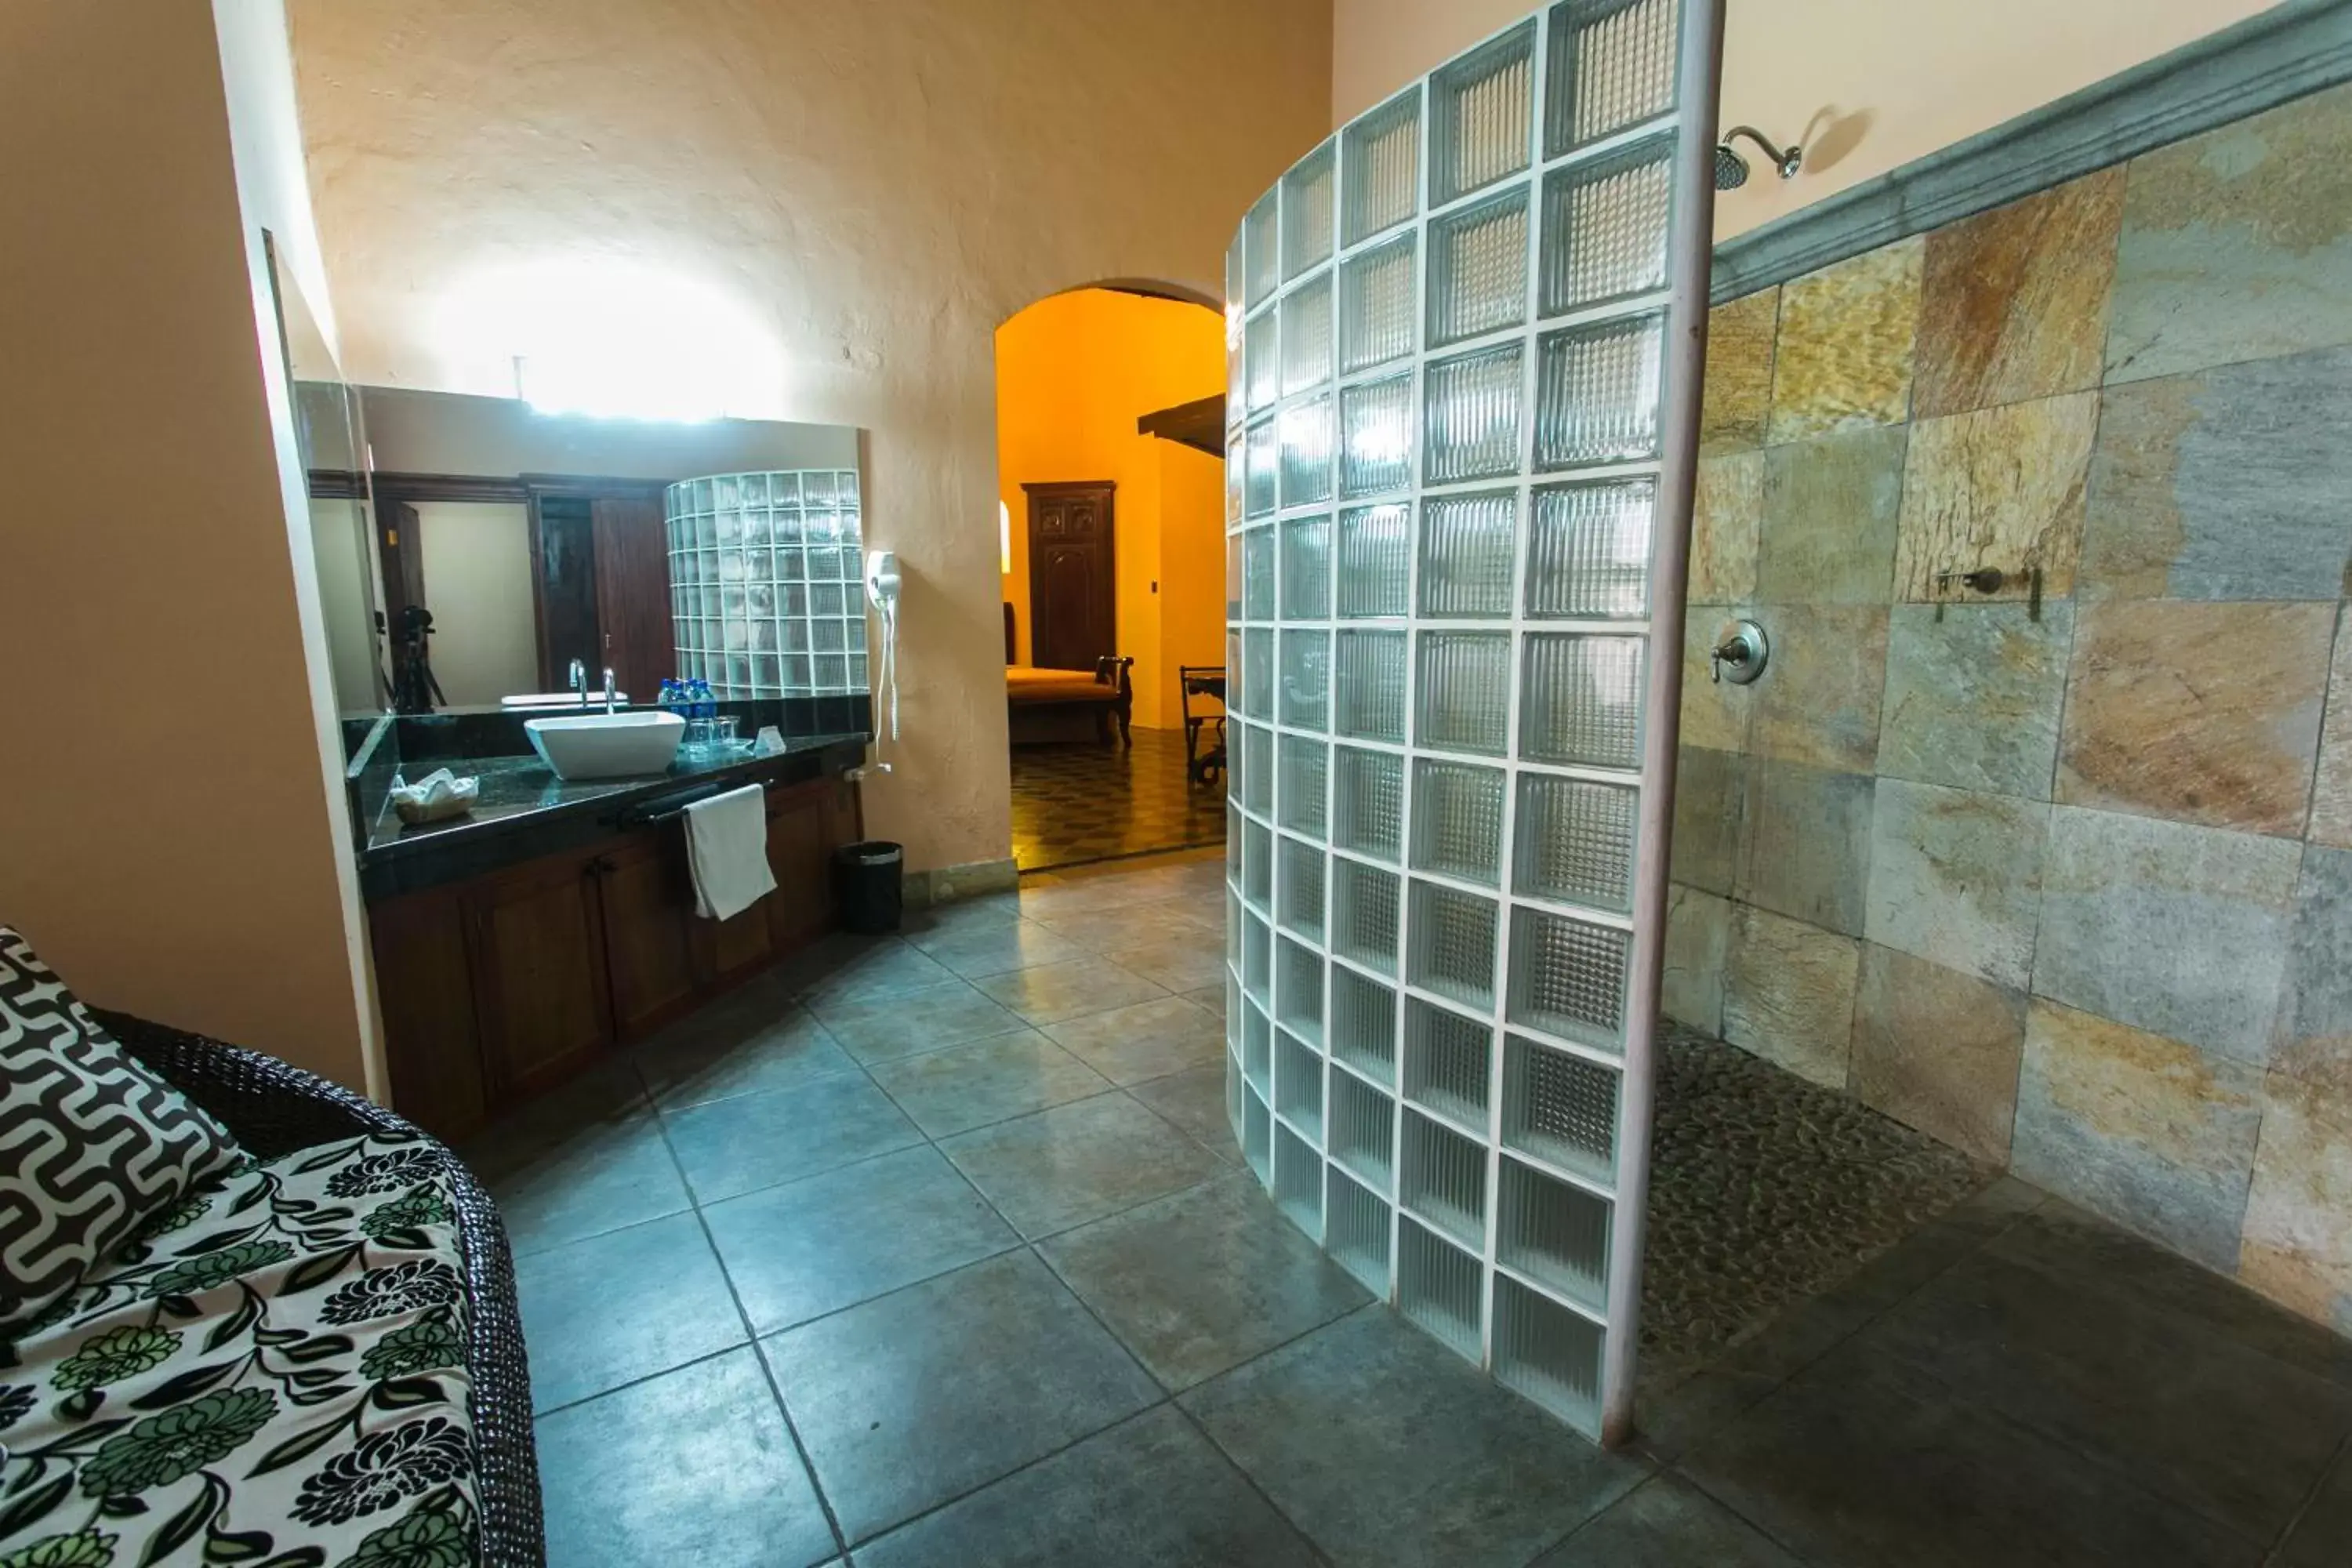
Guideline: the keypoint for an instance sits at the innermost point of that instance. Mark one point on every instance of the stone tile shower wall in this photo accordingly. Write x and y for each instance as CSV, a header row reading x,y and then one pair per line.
x,y
2068,885
1452,453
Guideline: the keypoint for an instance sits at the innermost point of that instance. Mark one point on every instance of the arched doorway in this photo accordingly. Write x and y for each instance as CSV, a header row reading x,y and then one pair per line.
x,y
1112,556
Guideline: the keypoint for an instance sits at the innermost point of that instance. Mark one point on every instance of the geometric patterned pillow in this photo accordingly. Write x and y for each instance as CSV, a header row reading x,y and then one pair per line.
x,y
93,1146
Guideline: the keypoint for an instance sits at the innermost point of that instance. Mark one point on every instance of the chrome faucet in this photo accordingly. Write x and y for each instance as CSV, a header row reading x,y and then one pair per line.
x,y
578,682
609,700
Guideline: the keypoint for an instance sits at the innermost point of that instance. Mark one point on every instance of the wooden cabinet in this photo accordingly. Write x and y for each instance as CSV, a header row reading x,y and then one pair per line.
x,y
647,898
805,825
540,984
495,989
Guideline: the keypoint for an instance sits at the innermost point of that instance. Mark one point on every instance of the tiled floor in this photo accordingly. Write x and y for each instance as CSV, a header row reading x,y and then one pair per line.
x,y
1081,803
939,1254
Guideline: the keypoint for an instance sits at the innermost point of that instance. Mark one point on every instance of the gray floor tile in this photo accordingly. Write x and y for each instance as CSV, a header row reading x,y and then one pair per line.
x,y
998,947
921,929
1071,898
1198,1283
1385,1447
924,1395
1053,991
762,1039
1183,962
1210,997
2322,1538
694,1465
1144,1040
882,1028
1077,1163
2063,1241
1134,928
1195,1102
1667,1523
849,969
2190,1416
1863,1462
813,1247
598,1176
758,1139
1149,1493
994,1079
615,1308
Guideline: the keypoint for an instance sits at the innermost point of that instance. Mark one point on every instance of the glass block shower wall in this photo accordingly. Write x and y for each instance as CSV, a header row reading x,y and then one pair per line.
x,y
767,582
1458,484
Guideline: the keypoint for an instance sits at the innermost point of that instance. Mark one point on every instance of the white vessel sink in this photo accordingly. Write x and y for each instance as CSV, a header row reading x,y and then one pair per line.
x,y
607,745
557,700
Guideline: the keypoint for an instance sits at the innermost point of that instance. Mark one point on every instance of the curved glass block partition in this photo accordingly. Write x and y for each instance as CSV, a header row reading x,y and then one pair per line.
x,y
1464,338
767,582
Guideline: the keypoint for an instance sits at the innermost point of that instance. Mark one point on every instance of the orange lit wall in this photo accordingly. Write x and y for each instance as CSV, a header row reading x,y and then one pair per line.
x,y
1074,373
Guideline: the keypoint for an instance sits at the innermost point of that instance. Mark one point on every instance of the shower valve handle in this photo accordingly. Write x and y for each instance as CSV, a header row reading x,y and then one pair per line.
x,y
1744,648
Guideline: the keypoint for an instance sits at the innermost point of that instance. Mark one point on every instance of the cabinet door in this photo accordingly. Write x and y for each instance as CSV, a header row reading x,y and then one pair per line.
x,y
801,909
425,991
732,950
805,824
540,986
648,908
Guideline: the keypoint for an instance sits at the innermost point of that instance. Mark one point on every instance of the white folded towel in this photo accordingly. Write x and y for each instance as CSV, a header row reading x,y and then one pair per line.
x,y
726,846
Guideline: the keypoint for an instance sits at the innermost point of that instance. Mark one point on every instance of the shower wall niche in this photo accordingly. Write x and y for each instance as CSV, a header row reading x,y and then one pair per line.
x,y
766,573
1457,486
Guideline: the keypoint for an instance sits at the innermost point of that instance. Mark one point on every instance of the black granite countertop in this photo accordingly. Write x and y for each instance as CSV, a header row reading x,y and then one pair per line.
x,y
524,810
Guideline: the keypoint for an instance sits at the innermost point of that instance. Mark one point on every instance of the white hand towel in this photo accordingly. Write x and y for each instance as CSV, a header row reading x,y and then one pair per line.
x,y
726,846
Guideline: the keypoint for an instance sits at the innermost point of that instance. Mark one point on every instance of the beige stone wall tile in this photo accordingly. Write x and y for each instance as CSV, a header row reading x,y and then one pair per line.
x,y
1717,714
2298,1243
1726,514
2013,303
1699,940
2150,1132
1938,1050
2237,243
1787,994
2196,711
1818,702
1844,354
1738,398
2001,487
1830,510
2331,791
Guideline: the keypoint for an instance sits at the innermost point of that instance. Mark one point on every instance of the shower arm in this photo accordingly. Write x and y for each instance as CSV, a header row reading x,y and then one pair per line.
x,y
1788,159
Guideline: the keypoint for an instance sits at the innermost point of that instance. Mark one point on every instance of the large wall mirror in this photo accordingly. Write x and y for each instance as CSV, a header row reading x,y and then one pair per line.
x,y
471,550
512,542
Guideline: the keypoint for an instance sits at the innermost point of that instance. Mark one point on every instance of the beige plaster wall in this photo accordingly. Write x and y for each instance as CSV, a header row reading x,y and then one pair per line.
x,y
172,842
870,190
1867,85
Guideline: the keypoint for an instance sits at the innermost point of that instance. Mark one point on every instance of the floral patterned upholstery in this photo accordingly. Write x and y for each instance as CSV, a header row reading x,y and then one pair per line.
x,y
274,1374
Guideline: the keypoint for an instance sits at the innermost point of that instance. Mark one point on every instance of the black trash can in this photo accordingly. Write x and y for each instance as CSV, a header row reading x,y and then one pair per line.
x,y
865,885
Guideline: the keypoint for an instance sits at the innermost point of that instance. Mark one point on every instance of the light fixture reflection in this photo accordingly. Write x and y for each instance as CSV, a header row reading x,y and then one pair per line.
x,y
614,337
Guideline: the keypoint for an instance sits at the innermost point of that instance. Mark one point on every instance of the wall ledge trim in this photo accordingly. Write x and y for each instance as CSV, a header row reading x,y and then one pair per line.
x,y
2285,53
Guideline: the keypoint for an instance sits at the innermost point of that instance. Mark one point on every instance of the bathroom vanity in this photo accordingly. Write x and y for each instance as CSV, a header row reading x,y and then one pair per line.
x,y
517,946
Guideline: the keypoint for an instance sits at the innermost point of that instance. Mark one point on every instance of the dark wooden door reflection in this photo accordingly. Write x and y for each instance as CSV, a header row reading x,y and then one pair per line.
x,y
1073,594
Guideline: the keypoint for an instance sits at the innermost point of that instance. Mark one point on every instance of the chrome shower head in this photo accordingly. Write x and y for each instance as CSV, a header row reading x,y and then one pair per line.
x,y
1731,169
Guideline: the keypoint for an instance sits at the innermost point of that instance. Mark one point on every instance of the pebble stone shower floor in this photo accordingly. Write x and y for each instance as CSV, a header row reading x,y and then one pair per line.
x,y
935,1249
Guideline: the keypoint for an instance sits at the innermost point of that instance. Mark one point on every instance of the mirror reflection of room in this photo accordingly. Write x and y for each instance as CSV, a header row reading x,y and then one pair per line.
x,y
523,553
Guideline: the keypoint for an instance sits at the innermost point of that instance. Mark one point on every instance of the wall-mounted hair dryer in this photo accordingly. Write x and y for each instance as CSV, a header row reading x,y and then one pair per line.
x,y
882,589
